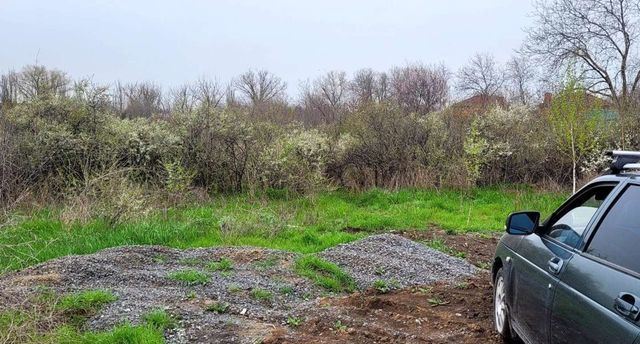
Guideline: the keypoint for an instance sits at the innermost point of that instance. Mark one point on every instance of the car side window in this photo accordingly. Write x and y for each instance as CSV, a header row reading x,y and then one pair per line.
x,y
568,229
617,237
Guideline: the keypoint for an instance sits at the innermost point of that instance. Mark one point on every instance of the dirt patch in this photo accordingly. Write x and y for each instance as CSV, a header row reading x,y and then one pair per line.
x,y
442,313
479,248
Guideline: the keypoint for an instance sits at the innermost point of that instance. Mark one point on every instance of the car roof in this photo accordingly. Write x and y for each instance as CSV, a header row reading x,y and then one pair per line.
x,y
615,177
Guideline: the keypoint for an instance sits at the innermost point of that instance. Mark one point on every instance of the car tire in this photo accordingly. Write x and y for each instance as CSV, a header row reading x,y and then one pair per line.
x,y
501,317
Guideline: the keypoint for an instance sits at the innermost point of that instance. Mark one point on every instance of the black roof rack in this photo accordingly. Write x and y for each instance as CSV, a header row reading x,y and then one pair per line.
x,y
624,160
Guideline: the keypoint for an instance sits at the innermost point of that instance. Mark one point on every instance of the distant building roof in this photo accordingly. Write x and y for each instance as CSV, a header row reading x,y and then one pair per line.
x,y
479,104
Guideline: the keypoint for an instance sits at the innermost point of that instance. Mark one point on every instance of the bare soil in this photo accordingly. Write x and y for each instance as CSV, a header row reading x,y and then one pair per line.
x,y
440,313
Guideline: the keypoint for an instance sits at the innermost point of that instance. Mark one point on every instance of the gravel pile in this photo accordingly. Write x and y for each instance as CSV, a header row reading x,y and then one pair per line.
x,y
139,277
396,260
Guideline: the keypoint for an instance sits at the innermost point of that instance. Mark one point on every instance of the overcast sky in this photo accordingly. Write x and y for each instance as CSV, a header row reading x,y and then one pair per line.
x,y
171,42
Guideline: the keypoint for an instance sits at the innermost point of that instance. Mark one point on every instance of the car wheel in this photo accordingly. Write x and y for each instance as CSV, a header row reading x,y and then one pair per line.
x,y
500,310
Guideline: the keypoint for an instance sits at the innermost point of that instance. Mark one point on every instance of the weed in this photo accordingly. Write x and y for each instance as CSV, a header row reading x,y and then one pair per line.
x,y
424,290
294,321
160,259
218,307
234,288
483,265
261,294
381,286
379,271
191,295
286,290
267,264
339,326
224,265
159,319
435,302
450,231
439,244
325,274
189,277
85,303
462,285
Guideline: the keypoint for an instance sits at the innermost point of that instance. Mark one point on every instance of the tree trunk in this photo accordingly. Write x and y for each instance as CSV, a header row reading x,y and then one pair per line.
x,y
573,159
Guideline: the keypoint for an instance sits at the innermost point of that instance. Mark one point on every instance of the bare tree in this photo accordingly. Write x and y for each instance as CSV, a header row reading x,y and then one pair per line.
x,y
419,88
37,81
258,88
208,93
181,99
520,74
381,90
143,100
369,86
9,89
327,96
599,37
363,85
118,98
481,76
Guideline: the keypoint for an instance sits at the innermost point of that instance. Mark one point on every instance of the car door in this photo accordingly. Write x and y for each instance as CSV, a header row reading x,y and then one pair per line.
x,y
598,297
541,258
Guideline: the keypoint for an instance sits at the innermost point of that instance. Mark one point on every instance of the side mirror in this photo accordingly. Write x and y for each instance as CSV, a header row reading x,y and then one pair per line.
x,y
523,223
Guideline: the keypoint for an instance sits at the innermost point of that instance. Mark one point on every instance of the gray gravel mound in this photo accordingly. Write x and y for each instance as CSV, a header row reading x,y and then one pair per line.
x,y
396,260
139,277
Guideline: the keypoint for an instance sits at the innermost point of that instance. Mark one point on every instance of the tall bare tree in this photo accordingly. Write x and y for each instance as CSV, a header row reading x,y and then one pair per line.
x,y
181,99
481,76
369,86
520,76
419,88
37,81
143,100
327,96
9,89
599,37
208,93
258,88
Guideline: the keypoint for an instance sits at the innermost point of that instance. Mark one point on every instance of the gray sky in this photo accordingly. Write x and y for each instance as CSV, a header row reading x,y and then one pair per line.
x,y
171,42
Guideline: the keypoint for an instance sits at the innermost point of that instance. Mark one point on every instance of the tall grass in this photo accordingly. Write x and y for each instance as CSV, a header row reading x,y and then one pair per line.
x,y
303,224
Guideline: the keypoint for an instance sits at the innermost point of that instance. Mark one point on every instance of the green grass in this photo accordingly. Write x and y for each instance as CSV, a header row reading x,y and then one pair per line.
x,y
325,274
439,244
159,319
189,277
50,323
218,307
224,265
86,302
305,224
261,294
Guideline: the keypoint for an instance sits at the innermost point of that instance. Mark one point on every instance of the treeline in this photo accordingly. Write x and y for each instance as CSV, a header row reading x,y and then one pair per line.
x,y
111,150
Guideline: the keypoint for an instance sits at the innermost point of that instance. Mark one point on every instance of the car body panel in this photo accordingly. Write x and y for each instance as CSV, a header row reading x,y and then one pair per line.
x,y
583,305
575,305
534,286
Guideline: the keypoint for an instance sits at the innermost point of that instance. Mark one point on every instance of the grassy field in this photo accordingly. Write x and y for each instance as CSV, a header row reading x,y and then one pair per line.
x,y
272,219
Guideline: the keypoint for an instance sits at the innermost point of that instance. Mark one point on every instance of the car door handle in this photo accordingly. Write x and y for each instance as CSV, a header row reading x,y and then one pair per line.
x,y
555,265
625,304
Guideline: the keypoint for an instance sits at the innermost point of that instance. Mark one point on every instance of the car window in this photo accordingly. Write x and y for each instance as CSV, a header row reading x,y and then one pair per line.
x,y
617,237
568,229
